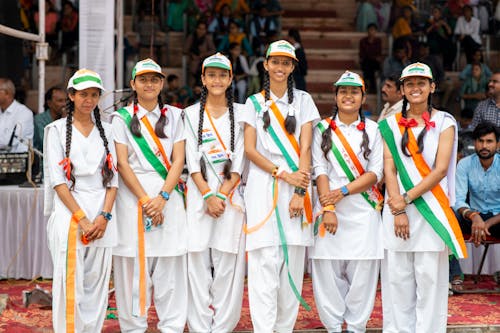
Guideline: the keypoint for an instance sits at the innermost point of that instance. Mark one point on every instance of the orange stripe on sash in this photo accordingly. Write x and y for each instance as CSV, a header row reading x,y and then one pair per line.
x,y
247,230
71,270
437,191
215,129
157,141
141,251
295,145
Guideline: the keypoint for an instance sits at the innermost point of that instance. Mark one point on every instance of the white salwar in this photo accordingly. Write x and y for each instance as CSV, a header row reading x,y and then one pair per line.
x,y
165,246
267,272
414,272
345,265
93,263
215,296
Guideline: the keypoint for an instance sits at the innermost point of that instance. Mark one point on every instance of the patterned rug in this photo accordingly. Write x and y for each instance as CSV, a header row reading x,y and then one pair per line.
x,y
466,309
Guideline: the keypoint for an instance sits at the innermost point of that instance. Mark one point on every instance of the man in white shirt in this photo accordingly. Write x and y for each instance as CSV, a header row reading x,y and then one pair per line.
x,y
391,95
468,29
16,120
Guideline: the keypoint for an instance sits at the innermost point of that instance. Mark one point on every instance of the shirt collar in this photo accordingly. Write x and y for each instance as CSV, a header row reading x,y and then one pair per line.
x,y
341,124
11,107
283,99
143,112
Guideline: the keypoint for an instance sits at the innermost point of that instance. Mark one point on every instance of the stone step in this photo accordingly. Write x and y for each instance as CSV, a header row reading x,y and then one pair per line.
x,y
315,63
346,8
310,13
336,40
318,24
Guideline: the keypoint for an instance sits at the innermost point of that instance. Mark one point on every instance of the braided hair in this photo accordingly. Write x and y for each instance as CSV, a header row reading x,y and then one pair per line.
x,y
229,100
135,125
107,169
326,143
70,108
420,138
290,121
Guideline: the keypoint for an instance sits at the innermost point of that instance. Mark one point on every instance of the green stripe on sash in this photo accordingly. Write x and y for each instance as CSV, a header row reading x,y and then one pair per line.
x,y
422,206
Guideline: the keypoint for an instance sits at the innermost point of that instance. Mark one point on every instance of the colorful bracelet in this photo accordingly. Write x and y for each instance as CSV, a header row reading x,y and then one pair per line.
x,y
78,215
274,172
329,208
207,194
221,195
471,215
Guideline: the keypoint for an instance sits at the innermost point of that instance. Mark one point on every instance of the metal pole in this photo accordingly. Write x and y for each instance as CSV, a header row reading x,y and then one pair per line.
x,y
119,44
42,55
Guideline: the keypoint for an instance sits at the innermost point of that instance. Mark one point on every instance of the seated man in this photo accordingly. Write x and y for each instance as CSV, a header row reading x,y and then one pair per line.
x,y
55,100
479,175
16,120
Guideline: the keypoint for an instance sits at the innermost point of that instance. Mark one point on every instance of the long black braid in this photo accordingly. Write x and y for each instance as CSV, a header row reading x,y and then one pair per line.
x,y
107,171
163,121
135,125
326,137
203,102
290,121
70,108
229,100
420,138
365,144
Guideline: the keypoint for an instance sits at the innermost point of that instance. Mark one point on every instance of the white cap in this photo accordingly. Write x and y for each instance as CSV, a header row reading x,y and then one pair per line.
x,y
350,79
416,69
146,66
217,60
85,78
281,48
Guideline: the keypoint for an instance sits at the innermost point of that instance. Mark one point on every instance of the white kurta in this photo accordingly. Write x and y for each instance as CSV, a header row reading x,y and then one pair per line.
x,y
170,239
258,190
93,260
205,232
19,116
357,220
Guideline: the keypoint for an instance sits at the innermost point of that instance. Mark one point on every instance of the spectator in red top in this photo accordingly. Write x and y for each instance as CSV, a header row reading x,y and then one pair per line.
x,y
69,25
370,56
51,20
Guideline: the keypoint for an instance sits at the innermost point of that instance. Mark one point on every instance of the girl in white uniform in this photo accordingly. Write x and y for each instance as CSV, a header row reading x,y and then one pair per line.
x,y
277,193
214,153
79,168
152,240
419,225
348,162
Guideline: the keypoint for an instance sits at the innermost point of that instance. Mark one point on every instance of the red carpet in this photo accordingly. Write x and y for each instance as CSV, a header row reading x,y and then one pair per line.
x,y
470,309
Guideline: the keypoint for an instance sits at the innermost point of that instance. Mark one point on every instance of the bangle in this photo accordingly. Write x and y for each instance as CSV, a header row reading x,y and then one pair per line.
x,y
344,190
207,194
107,215
407,198
465,212
300,191
165,195
221,196
329,208
471,215
78,215
274,172
402,211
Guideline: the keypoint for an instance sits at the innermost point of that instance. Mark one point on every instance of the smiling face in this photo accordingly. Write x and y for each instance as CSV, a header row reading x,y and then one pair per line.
x,y
148,86
416,89
279,68
85,100
217,80
349,99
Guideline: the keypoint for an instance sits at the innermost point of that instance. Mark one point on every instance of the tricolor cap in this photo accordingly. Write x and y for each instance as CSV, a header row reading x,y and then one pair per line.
x,y
217,60
281,48
85,78
350,79
146,66
416,69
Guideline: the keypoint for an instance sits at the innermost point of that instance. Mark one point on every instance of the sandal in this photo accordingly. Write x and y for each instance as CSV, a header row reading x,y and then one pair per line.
x,y
457,284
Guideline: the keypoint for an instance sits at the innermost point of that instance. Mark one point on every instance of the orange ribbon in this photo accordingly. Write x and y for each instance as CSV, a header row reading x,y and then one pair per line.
x,y
71,269
66,164
141,251
247,230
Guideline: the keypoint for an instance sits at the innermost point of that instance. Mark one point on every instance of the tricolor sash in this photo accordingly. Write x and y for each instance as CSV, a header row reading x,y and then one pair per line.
x,y
434,205
289,148
350,164
286,142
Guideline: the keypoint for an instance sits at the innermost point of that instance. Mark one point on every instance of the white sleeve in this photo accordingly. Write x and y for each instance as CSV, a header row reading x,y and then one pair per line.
x,y
319,162
112,151
376,157
192,154
248,115
119,130
53,154
308,110
179,130
239,151
28,126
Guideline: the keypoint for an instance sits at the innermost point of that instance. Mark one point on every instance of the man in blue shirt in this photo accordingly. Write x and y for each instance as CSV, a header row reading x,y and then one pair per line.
x,y
479,176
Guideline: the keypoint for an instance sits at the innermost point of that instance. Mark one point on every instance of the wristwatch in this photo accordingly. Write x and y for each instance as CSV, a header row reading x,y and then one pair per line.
x,y
300,191
344,191
107,215
165,195
407,198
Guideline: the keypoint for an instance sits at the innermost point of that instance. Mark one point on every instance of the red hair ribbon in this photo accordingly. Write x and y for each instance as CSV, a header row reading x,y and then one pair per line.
x,y
136,108
109,161
407,122
66,164
333,125
361,126
428,124
163,111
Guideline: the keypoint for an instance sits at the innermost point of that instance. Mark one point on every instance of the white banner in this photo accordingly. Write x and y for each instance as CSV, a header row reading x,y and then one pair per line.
x,y
96,51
